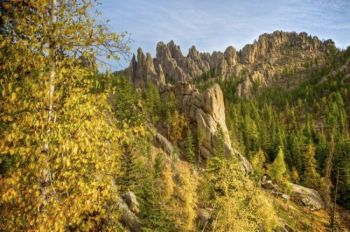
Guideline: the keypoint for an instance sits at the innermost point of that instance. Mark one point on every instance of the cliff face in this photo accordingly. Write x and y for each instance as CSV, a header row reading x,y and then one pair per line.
x,y
206,113
269,58
143,70
275,43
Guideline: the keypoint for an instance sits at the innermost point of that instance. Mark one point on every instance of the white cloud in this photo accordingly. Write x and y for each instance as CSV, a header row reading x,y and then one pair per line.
x,y
213,25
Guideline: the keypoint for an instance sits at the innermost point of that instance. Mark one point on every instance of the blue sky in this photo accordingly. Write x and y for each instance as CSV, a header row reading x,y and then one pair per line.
x,y
215,24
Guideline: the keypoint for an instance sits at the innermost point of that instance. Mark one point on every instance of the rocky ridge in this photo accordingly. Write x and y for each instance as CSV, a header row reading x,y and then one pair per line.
x,y
271,57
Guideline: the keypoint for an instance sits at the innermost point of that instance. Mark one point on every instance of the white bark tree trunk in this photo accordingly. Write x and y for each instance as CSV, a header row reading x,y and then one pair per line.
x,y
46,172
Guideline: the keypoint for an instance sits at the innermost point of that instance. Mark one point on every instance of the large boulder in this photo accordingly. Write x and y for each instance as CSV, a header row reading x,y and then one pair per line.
x,y
307,197
128,217
246,165
203,217
163,143
130,199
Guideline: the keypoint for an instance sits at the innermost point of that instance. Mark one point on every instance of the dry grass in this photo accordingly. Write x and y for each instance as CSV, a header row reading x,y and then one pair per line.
x,y
301,218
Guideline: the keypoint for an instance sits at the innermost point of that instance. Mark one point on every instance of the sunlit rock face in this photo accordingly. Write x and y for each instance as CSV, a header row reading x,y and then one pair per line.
x,y
261,63
206,113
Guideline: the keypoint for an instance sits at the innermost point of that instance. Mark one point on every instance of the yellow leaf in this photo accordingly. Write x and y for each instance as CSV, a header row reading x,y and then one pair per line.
x,y
13,96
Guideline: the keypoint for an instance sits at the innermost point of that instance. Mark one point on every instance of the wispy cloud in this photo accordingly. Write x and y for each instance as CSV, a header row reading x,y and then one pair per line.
x,y
214,25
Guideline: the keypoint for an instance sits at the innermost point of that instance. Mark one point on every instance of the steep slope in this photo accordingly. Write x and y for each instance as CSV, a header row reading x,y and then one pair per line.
x,y
285,92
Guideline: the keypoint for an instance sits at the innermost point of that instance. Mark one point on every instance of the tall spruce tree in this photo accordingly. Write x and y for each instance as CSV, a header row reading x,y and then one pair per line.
x,y
258,162
189,147
278,168
310,176
219,145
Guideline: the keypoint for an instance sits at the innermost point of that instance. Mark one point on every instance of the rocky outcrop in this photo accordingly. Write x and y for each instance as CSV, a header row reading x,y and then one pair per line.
x,y
128,207
130,199
264,61
307,197
206,113
142,70
267,183
255,80
304,196
203,217
276,42
179,67
160,141
163,143
168,57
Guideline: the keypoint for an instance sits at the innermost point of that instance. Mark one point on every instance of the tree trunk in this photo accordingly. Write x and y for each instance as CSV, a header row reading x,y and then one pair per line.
x,y
46,172
52,59
333,222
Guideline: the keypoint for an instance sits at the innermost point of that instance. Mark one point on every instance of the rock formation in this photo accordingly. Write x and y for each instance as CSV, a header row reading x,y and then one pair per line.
x,y
277,41
142,71
307,197
206,112
258,64
203,217
130,199
128,207
263,61
255,80
304,196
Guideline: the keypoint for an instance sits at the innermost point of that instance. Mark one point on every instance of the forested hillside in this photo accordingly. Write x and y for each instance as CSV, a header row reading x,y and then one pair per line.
x,y
248,140
310,122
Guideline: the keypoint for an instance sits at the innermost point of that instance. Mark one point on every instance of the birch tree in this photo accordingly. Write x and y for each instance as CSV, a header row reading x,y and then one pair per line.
x,y
57,140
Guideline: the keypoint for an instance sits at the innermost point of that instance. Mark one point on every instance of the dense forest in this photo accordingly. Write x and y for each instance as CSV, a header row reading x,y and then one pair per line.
x,y
88,150
309,123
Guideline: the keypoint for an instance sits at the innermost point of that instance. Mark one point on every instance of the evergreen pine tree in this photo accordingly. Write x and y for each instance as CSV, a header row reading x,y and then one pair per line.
x,y
258,162
295,175
326,182
219,145
189,147
278,168
310,177
127,177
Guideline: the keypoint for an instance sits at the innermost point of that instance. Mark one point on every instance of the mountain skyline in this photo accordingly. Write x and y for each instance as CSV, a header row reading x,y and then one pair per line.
x,y
213,26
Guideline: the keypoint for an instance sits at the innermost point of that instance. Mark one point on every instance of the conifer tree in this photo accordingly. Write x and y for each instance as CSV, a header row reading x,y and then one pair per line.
x,y
295,175
127,177
189,147
178,127
326,182
153,102
238,204
258,162
295,151
126,102
219,145
311,178
278,168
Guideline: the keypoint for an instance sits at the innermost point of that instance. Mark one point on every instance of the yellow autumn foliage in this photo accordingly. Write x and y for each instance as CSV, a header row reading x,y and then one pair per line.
x,y
58,141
